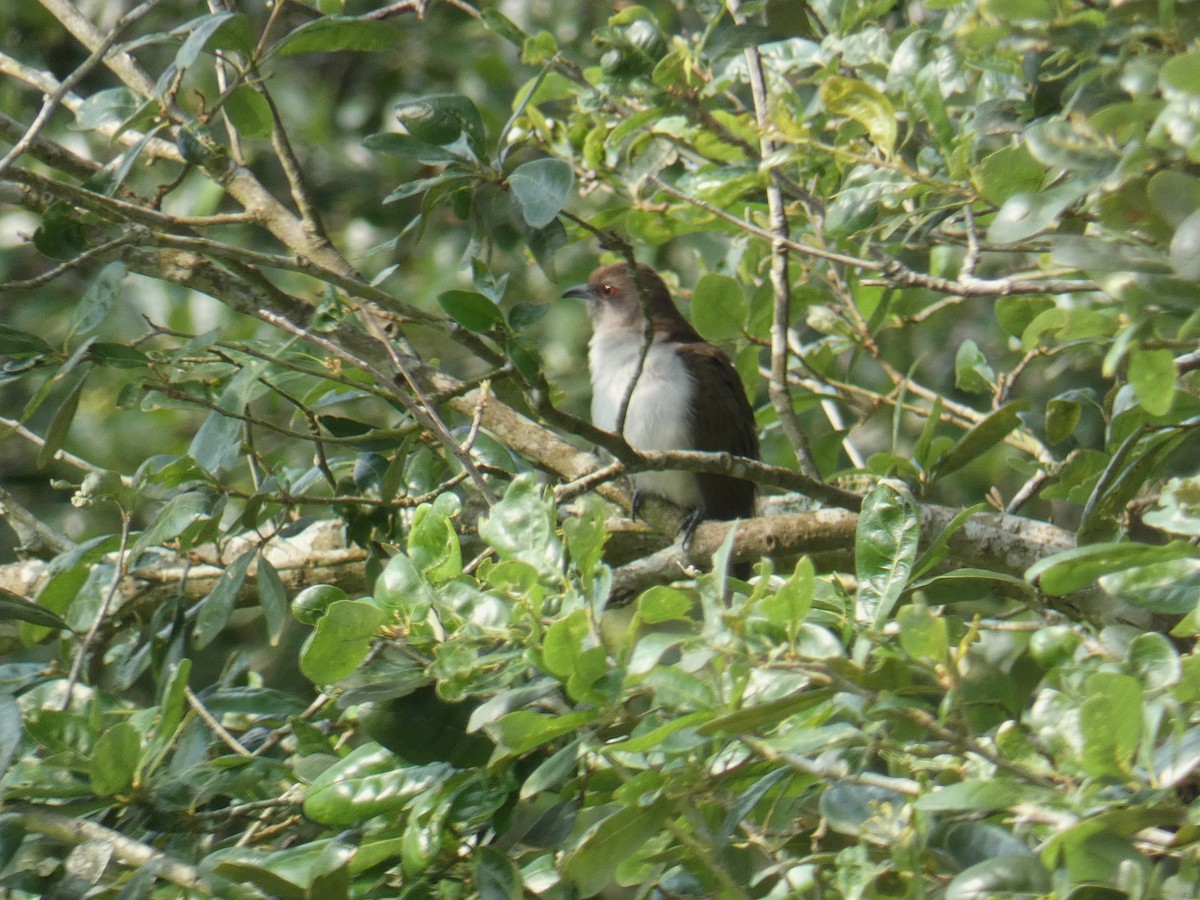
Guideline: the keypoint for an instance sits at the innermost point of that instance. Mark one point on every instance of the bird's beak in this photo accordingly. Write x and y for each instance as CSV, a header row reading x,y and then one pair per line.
x,y
580,291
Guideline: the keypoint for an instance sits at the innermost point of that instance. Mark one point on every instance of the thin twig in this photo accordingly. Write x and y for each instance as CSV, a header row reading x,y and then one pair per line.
x,y
421,410
32,532
781,397
896,273
84,647
217,728
74,263
65,456
54,98
73,830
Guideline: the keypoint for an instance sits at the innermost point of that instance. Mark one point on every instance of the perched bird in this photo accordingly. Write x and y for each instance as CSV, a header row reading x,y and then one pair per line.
x,y
687,397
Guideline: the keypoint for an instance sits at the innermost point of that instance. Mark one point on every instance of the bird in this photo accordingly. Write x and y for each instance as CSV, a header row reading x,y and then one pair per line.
x,y
688,396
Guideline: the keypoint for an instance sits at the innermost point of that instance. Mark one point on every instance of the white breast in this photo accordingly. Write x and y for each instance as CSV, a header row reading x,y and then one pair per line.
x,y
659,410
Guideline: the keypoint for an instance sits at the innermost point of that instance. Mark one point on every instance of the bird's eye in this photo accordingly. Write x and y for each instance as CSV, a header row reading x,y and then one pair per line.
x,y
608,289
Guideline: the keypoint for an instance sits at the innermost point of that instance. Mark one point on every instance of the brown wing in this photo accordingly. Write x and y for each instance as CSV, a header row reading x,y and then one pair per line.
x,y
723,422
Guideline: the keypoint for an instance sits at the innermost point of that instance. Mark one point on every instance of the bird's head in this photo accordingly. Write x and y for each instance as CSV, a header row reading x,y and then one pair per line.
x,y
613,301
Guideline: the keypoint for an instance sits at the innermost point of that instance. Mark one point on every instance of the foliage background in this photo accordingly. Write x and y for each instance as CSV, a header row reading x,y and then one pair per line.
x,y
279,328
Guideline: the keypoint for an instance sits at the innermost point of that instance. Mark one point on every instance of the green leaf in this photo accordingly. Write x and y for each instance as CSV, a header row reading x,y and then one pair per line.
x,y
789,606
115,759
471,310
402,587
1008,171
179,519
523,730
314,601
1028,213
938,548
406,146
21,344
341,640
99,299
249,112
922,634
371,781
272,597
1167,587
60,425
495,21
863,103
681,691
989,432
863,810
719,307
525,315
1018,875
661,603
1181,73
1174,195
333,33
441,119
525,357
522,526
61,235
217,444
111,106
1016,311
117,356
432,541
541,187
1059,143
11,736
586,535
1062,415
984,796
971,370
1152,374
217,607
13,606
1155,661
885,548
1178,508
496,876
590,866
556,769
1111,722
1075,569
564,643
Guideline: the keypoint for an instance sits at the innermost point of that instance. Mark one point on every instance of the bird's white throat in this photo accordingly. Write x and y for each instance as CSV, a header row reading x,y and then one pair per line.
x,y
660,411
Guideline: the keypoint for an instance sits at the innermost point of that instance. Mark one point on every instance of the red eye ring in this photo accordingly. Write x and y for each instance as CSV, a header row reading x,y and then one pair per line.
x,y
608,289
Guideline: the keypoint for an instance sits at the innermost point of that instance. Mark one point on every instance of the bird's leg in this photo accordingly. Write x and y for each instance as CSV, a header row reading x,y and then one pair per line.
x,y
635,505
694,518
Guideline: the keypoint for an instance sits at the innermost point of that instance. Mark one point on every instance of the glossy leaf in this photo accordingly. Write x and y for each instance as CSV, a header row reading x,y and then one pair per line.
x,y
541,188
218,606
341,640
1152,374
885,549
368,782
334,33
115,759
471,310
441,119
863,103
989,432
249,112
1074,569
590,866
719,307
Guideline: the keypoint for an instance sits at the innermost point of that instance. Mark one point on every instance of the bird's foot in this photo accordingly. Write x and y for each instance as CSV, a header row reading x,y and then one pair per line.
x,y
688,529
635,505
